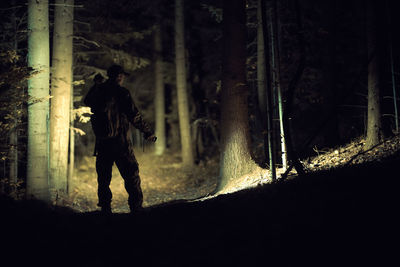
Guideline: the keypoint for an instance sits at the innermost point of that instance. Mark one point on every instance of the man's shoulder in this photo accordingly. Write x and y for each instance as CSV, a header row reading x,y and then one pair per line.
x,y
124,92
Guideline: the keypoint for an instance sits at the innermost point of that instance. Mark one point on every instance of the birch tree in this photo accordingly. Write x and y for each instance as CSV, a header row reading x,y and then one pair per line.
x,y
38,106
61,85
183,105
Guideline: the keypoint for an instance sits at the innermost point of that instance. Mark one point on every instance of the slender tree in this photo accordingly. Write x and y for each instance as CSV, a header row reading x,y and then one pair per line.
x,y
276,77
261,79
268,87
374,114
183,105
61,85
288,107
71,162
392,71
38,106
235,159
159,100
13,153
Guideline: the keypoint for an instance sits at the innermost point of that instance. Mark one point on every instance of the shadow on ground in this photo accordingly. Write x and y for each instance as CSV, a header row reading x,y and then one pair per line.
x,y
343,217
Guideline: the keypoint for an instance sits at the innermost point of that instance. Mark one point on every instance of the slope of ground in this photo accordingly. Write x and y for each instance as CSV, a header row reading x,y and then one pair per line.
x,y
340,217
163,179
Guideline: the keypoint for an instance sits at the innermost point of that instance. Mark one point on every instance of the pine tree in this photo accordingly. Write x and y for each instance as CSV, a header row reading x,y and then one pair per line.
x,y
235,157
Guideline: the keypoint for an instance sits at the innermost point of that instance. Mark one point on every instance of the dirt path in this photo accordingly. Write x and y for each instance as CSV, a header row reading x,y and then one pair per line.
x,y
162,178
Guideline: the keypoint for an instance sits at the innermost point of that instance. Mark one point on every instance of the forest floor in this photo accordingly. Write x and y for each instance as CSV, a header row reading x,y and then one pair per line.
x,y
341,213
164,180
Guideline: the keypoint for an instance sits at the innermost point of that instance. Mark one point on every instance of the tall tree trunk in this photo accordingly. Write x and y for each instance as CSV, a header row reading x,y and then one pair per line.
x,y
374,114
13,153
183,105
392,71
38,106
269,87
261,79
235,157
61,84
288,108
173,121
159,100
276,77
71,165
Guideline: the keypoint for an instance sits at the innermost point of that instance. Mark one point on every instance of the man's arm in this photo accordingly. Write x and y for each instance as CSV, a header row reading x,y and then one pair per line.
x,y
136,119
90,97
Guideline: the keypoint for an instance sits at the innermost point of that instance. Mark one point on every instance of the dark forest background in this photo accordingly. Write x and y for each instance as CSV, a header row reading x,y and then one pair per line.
x,y
330,99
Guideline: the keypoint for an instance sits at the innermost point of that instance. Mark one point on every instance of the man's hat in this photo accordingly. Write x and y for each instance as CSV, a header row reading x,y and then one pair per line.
x,y
98,78
114,70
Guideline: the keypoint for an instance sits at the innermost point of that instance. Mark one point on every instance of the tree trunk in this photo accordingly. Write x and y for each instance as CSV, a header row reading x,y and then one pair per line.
x,y
276,79
374,114
287,112
38,106
268,88
183,106
61,84
71,162
235,158
265,84
392,70
13,153
159,100
261,79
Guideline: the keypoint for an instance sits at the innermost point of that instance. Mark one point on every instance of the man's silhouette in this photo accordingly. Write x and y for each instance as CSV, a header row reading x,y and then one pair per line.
x,y
113,110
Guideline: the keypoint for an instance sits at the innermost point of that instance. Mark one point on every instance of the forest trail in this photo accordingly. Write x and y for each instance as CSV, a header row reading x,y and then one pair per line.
x,y
339,217
163,179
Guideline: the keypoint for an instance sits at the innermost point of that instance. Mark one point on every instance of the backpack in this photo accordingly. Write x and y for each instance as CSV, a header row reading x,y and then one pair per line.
x,y
108,121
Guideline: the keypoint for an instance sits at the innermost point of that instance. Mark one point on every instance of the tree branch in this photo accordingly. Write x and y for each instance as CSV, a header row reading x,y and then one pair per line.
x,y
86,40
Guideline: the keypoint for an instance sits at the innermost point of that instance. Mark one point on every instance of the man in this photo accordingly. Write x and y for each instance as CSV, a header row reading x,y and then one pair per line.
x,y
113,110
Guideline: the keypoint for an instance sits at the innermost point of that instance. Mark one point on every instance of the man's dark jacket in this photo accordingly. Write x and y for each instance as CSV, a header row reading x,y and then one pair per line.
x,y
113,109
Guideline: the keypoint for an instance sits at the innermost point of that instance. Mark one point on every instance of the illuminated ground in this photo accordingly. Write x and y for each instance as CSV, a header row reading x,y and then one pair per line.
x,y
337,217
163,179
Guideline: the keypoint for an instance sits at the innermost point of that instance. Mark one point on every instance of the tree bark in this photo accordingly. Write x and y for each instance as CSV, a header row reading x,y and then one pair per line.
x,y
13,153
288,108
235,159
392,69
277,82
61,85
374,114
261,79
71,163
38,106
183,105
159,100
268,88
